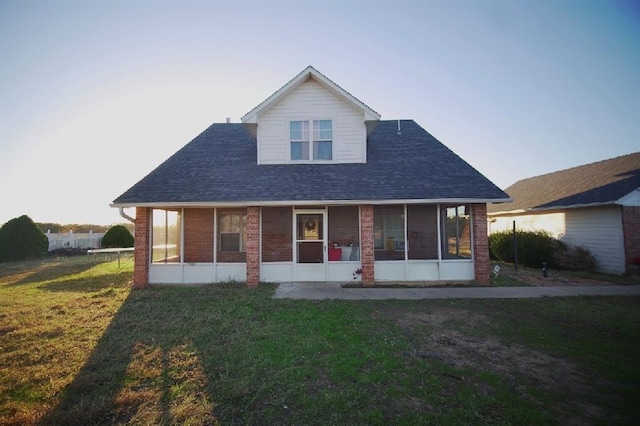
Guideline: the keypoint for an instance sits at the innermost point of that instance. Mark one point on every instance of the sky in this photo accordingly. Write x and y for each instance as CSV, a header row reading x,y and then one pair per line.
x,y
96,94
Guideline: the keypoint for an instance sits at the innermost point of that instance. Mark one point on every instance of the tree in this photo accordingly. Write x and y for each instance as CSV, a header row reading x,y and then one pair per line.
x,y
117,236
21,239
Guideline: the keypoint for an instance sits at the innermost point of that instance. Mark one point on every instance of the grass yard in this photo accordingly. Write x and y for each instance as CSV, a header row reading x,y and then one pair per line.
x,y
78,346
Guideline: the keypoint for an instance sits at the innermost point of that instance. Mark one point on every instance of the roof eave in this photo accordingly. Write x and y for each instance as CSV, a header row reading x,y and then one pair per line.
x,y
551,208
304,203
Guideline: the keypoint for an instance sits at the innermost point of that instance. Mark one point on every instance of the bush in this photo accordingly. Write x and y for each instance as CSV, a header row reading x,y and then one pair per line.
x,y
117,236
501,246
21,239
534,247
573,258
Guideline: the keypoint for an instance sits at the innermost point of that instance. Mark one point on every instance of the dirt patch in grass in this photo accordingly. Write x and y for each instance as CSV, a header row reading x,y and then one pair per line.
x,y
534,277
443,335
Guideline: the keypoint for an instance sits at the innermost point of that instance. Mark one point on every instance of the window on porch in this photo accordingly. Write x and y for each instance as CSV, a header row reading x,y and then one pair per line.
x,y
421,238
456,232
388,228
165,236
422,231
232,240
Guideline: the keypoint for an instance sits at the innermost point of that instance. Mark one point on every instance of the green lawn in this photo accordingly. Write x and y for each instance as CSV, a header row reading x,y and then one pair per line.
x,y
78,346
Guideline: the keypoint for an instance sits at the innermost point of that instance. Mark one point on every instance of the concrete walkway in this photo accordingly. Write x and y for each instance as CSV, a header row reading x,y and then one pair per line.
x,y
333,290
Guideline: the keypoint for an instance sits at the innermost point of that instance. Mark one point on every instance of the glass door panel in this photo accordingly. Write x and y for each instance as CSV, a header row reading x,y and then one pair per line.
x,y
310,246
309,227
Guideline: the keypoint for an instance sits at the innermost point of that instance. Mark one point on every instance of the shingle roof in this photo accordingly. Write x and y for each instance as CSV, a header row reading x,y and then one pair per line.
x,y
220,165
603,182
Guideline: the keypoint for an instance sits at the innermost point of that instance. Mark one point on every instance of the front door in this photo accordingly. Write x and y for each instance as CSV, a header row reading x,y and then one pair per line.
x,y
310,246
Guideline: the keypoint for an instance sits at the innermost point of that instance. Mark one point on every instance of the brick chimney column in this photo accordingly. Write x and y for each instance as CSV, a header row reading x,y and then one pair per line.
x,y
366,250
253,246
481,261
141,248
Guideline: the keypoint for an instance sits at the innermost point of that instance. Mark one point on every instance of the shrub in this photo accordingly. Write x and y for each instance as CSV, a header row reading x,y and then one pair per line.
x,y
534,247
21,239
501,246
573,258
117,236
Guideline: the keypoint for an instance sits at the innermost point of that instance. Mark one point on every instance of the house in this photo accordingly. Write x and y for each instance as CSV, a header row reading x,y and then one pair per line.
x,y
311,186
596,206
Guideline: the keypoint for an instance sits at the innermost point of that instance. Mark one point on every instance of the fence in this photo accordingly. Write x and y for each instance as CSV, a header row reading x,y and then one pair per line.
x,y
76,241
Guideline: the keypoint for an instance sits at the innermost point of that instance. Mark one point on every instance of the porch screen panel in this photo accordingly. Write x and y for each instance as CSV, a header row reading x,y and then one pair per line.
x,y
198,235
165,236
456,232
231,238
344,226
344,232
277,235
388,228
422,231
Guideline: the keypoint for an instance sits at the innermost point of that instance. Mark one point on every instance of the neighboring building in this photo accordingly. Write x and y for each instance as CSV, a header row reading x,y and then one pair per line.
x,y
596,206
312,186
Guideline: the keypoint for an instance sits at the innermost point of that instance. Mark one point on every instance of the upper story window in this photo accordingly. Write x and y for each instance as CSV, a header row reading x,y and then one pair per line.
x,y
311,139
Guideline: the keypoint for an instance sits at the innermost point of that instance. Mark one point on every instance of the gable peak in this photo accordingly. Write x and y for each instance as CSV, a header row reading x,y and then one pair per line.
x,y
303,76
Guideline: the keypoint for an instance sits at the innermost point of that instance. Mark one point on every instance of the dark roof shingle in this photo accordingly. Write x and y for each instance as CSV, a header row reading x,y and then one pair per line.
x,y
603,182
220,165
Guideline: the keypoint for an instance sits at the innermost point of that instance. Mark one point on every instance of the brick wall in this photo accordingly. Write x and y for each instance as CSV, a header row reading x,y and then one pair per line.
x,y
198,235
141,250
367,251
481,261
253,246
631,232
277,237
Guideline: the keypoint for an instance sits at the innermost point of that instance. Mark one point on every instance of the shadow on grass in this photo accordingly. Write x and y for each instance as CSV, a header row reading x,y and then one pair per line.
x,y
147,366
24,273
88,284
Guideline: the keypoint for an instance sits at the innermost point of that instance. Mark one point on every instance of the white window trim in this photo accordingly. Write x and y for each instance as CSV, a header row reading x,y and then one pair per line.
x,y
311,140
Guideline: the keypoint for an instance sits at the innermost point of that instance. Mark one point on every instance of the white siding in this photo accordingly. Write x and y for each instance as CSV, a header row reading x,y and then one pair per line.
x,y
600,230
311,101
597,228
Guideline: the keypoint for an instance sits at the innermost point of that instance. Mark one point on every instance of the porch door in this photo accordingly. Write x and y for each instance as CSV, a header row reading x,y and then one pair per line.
x,y
310,246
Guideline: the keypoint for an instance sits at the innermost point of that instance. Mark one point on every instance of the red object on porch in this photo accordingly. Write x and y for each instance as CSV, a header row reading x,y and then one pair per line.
x,y
335,253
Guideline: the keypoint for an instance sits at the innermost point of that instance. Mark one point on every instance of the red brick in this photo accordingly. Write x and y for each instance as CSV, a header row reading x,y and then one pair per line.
x,y
198,235
367,251
481,261
631,232
253,246
141,248
277,236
